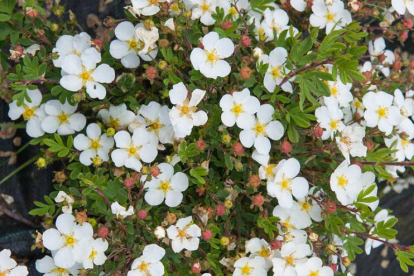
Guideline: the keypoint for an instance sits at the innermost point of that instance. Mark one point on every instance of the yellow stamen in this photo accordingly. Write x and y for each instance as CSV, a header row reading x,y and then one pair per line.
x,y
334,124
63,118
95,145
85,76
314,273
342,181
330,16
132,150
143,266
28,113
237,109
93,254
382,112
246,270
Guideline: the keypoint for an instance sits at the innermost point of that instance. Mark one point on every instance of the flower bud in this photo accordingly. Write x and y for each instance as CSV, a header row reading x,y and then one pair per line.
x,y
151,72
220,210
41,163
60,177
155,171
98,43
238,166
54,27
258,200
110,131
403,36
318,132
162,64
224,241
226,25
286,147
142,214
81,217
196,268
207,234
334,267
245,73
145,170
103,232
129,182
346,261
226,139
313,237
369,144
408,23
275,245
171,218
163,43
238,149
381,58
245,40
31,12
254,181
331,247
201,145
257,52
330,207
228,204
159,232
97,161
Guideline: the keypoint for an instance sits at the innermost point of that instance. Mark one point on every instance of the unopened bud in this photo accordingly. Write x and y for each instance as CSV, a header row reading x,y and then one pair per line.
x,y
245,40
408,23
331,207
207,234
142,214
228,204
369,144
155,171
171,218
245,73
238,149
254,181
220,210
60,177
151,72
224,241
196,268
201,145
226,139
103,232
318,132
334,267
403,36
346,261
226,25
41,163
313,237
286,147
31,12
276,245
258,200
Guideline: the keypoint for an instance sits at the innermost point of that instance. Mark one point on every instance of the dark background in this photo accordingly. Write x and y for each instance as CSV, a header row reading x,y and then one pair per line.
x,y
31,184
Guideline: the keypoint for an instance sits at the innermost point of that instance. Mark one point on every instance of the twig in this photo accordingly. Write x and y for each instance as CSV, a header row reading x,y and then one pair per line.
x,y
16,216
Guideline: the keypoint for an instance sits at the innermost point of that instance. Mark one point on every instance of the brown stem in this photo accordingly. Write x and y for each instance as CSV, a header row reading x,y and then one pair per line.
x,y
16,216
99,192
292,74
43,38
37,81
372,237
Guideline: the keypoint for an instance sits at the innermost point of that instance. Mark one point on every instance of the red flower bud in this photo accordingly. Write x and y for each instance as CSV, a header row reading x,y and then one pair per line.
x,y
129,182
32,12
254,181
275,245
318,132
334,267
196,268
286,147
142,214
403,36
412,64
154,171
331,207
258,200
245,73
103,232
207,234
408,23
220,210
397,65
226,25
201,145
369,144
381,58
151,73
245,40
238,148
19,49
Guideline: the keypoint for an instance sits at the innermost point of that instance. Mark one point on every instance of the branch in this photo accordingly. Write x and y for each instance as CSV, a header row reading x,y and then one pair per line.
x,y
292,74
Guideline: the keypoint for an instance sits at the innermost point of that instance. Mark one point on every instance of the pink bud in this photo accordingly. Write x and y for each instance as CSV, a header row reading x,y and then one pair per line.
x,y
129,182
238,148
275,245
403,36
397,65
331,207
207,234
245,40
220,210
334,267
408,23
103,232
201,145
286,147
142,214
381,58
226,25
318,132
258,200
196,268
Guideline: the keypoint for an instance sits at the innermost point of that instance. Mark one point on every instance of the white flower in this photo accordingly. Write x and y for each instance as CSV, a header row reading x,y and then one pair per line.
x,y
67,240
149,37
166,185
117,116
146,7
380,112
238,108
121,211
290,255
258,247
370,243
313,266
250,267
268,172
329,15
94,253
128,45
341,92
345,182
92,145
67,201
131,150
286,183
351,142
376,47
276,20
184,235
405,106
8,266
203,9
47,266
257,52
291,218
310,208
149,264
277,71
78,72
61,118
170,24
68,44
157,122
184,114
257,132
402,5
159,232
299,5
329,117
33,112
405,148
210,60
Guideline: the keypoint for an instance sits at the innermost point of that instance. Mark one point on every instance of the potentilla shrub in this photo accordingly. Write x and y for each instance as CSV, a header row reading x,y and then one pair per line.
x,y
214,137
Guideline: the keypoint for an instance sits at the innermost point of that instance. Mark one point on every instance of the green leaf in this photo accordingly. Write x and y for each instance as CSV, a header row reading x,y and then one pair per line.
x,y
293,134
4,17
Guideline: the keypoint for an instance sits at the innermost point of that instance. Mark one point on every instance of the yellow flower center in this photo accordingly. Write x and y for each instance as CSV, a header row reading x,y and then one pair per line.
x,y
269,170
93,254
155,126
357,104
237,109
174,7
165,186
404,143
114,122
97,161
382,112
334,124
260,128
133,44
95,145
212,56
246,270
264,252
28,113
2,274
154,2
314,273
330,16
85,76
205,7
60,270
285,183
275,72
181,233
334,91
289,259
342,181
132,150
63,118
185,110
143,266
305,206
233,11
